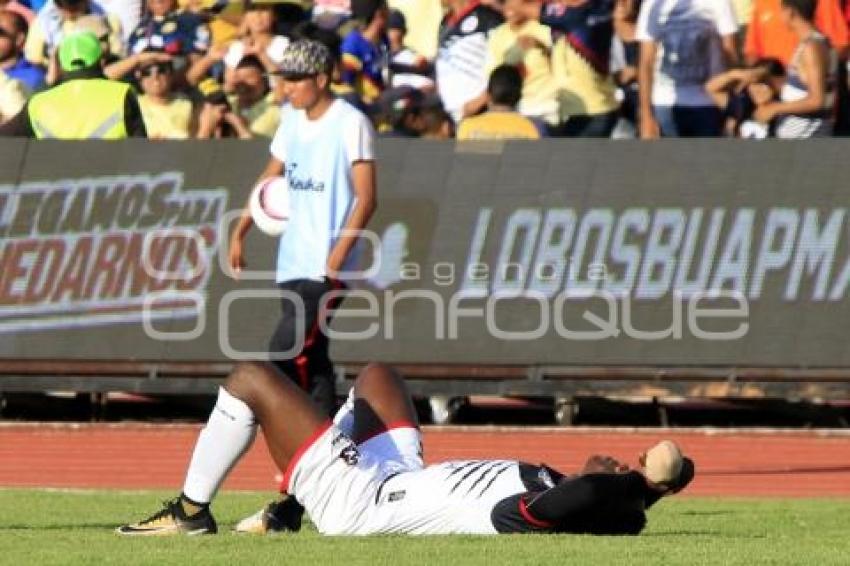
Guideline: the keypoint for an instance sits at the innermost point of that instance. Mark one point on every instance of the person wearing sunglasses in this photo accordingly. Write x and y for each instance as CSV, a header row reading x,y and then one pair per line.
x,y
167,113
84,105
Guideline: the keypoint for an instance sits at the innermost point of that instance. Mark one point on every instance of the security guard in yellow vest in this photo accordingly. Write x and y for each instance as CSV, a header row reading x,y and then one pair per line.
x,y
84,105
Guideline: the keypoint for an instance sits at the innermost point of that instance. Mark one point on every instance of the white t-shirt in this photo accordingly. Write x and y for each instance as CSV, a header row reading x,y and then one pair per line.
x,y
689,50
317,155
274,50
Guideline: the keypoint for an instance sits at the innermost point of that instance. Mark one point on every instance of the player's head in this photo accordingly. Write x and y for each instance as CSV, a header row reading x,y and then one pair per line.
x,y
306,69
666,468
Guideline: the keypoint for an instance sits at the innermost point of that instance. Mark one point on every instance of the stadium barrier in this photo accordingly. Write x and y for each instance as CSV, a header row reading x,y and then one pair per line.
x,y
558,268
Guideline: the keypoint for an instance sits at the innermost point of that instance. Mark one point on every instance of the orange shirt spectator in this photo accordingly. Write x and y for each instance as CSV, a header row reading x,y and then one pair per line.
x,y
767,36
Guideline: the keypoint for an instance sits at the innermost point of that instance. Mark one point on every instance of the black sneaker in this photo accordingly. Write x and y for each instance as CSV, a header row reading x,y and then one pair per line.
x,y
172,520
277,517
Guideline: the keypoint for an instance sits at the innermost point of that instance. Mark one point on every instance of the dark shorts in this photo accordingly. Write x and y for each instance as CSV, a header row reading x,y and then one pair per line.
x,y
298,346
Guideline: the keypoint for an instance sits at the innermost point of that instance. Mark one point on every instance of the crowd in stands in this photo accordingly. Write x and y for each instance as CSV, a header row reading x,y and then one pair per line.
x,y
471,69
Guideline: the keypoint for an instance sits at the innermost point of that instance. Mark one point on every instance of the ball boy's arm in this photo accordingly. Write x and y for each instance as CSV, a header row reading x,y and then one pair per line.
x,y
273,168
366,201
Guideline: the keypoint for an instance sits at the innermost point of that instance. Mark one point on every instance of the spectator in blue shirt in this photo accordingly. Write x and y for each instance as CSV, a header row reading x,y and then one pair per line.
x,y
364,49
182,34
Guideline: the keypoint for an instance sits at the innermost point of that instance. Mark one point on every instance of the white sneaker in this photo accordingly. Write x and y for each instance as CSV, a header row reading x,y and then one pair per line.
x,y
254,524
276,517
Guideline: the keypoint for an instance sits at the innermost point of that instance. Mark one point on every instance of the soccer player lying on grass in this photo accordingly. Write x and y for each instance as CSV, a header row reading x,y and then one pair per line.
x,y
363,474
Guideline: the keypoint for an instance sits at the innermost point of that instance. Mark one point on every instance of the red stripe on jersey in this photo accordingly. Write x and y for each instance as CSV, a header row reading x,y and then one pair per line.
x,y
303,375
529,518
290,469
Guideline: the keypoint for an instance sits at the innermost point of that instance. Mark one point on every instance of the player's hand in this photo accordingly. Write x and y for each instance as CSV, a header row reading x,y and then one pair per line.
x,y
603,464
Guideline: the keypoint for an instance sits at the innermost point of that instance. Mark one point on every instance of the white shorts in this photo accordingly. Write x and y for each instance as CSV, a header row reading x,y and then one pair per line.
x,y
340,482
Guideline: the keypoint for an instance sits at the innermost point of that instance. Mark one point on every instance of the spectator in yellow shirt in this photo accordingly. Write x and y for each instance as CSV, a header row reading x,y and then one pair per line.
x,y
425,17
252,99
581,64
501,121
167,115
524,42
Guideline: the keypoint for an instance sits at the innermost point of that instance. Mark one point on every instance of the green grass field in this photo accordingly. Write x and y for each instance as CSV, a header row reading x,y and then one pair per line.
x,y
61,527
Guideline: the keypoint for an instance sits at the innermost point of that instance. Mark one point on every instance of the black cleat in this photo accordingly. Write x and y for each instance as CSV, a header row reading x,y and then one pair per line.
x,y
172,520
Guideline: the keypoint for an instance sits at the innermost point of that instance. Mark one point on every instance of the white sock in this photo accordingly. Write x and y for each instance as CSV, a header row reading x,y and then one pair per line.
x,y
229,432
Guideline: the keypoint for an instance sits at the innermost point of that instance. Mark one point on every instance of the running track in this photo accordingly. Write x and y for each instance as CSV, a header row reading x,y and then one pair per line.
x,y
729,463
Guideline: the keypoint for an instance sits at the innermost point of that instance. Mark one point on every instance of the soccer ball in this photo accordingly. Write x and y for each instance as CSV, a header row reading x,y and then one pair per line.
x,y
269,205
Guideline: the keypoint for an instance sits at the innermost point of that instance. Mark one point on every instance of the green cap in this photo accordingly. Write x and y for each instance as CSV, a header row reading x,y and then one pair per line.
x,y
79,51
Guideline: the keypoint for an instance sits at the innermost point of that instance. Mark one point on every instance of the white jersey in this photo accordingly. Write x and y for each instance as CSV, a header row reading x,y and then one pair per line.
x,y
382,485
456,497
